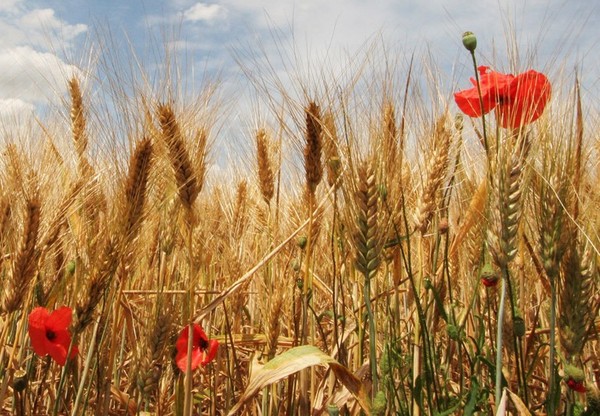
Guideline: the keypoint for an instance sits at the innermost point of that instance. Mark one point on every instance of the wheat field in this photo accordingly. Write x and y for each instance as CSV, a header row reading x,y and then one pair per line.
x,y
372,251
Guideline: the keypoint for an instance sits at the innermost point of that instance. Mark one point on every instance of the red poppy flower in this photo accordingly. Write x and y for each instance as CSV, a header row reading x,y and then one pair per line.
x,y
203,349
576,385
50,335
518,100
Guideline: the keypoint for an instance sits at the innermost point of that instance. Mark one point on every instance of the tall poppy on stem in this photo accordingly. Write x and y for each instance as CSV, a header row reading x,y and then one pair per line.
x,y
518,100
204,350
50,335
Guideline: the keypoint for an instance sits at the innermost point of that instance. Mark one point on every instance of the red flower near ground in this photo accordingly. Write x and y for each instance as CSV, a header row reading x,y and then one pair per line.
x,y
203,349
49,333
576,385
518,100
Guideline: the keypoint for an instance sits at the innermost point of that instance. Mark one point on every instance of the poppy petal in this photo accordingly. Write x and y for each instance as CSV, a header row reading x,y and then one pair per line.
x,y
211,351
197,357
37,330
181,359
496,82
60,319
182,344
182,340
58,352
528,95
468,102
199,335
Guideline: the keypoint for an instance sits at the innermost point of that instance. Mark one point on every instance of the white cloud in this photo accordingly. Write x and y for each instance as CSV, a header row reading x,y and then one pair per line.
x,y
14,108
10,6
32,76
204,12
32,73
42,25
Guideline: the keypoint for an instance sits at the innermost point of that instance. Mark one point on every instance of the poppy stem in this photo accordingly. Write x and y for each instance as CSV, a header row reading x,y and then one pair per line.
x,y
485,141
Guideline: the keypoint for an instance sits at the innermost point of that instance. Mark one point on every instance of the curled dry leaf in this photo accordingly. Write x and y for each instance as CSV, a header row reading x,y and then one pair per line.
x,y
297,359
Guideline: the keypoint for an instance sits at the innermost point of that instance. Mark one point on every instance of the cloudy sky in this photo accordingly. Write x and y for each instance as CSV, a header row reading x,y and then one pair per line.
x,y
44,41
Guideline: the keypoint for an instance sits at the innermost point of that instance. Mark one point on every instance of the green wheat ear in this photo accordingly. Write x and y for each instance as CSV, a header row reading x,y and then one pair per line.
x,y
367,237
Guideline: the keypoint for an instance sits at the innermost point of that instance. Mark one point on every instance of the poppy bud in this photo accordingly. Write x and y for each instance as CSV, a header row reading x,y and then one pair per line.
x,y
443,226
519,326
296,266
453,332
489,277
469,41
573,373
382,191
380,403
71,267
577,386
333,410
302,241
20,380
575,378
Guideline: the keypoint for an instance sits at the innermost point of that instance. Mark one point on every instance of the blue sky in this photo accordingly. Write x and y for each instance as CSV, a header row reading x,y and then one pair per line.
x,y
41,41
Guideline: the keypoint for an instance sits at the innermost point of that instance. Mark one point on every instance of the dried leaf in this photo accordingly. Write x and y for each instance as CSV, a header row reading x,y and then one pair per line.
x,y
297,359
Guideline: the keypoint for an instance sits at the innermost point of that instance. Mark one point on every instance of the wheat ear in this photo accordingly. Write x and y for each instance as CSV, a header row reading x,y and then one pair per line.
x,y
152,361
576,300
265,167
330,149
368,250
102,276
136,186
436,173
506,176
24,265
313,148
78,119
185,175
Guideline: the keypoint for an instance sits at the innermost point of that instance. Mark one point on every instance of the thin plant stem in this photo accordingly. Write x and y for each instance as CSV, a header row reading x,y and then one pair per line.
x,y
372,335
499,335
485,141
189,376
552,391
86,369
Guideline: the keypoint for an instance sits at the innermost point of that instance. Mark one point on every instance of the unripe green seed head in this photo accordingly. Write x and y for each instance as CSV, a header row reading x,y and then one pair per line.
x,y
469,41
